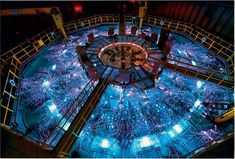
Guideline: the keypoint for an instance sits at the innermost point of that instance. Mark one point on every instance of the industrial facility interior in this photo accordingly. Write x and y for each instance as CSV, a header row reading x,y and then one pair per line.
x,y
117,79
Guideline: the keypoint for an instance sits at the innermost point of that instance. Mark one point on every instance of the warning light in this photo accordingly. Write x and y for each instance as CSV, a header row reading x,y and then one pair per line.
x,y
78,8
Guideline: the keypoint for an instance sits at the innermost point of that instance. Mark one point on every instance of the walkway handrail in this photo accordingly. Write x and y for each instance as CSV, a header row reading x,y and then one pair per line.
x,y
211,42
201,68
208,144
19,54
66,142
79,99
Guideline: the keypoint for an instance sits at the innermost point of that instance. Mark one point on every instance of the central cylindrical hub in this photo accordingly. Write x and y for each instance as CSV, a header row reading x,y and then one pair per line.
x,y
123,55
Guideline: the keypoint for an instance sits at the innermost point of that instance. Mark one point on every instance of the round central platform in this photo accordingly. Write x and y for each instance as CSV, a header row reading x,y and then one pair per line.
x,y
123,60
123,55
143,109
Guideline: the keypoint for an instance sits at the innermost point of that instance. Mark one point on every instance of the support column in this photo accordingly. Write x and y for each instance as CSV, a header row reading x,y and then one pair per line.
x,y
122,24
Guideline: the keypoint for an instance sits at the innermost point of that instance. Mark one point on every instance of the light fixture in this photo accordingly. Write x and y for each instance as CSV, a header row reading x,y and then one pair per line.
x,y
145,142
199,84
64,51
197,103
54,67
46,84
105,143
178,128
179,51
171,133
194,63
52,108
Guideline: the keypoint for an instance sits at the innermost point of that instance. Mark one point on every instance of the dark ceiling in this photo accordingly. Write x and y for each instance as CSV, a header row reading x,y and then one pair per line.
x,y
16,29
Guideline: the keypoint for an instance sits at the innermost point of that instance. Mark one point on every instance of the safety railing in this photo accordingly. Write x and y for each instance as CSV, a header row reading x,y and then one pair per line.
x,y
79,122
208,145
225,70
201,73
90,22
211,42
8,94
102,17
186,63
35,43
31,46
12,60
69,115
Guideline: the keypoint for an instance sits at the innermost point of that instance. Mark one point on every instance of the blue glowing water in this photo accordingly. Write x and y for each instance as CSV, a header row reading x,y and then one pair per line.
x,y
165,121
160,115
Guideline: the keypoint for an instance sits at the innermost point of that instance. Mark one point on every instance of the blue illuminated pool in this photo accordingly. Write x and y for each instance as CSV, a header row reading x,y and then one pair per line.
x,y
162,121
168,120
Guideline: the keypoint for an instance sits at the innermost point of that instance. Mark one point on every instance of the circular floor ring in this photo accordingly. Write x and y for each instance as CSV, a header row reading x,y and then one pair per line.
x,y
123,55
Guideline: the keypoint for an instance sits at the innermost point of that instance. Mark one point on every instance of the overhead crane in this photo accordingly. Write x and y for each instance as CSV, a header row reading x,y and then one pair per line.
x,y
142,13
53,11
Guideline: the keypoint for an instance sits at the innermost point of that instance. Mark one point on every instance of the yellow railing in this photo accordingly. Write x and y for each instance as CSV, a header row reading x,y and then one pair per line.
x,y
90,21
224,72
12,61
79,122
31,46
210,41
9,90
197,72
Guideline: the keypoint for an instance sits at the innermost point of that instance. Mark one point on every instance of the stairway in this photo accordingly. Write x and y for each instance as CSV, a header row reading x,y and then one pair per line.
x,y
122,25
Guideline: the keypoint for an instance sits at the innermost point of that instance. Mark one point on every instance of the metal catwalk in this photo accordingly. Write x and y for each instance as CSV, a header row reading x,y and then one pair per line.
x,y
169,120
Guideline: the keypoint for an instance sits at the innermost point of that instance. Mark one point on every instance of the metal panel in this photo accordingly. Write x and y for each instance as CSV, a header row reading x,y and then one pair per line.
x,y
195,13
188,12
201,14
216,16
228,25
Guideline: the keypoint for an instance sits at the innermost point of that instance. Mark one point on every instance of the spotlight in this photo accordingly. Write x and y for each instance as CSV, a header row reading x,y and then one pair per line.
x,y
179,51
64,51
54,67
171,133
52,108
199,84
105,143
197,103
66,126
194,63
145,142
46,84
78,8
178,128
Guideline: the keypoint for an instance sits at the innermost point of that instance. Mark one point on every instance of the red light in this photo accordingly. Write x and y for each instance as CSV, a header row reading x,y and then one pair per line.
x,y
124,6
132,1
78,8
